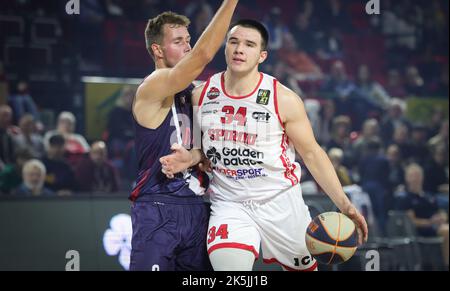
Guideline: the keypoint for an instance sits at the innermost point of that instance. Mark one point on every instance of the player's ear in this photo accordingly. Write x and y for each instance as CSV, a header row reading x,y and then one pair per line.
x,y
262,56
157,51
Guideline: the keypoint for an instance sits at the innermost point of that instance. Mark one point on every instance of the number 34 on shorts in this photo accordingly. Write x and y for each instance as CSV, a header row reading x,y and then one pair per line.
x,y
221,232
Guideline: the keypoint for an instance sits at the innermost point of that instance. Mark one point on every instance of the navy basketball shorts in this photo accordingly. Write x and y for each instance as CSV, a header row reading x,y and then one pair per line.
x,y
170,236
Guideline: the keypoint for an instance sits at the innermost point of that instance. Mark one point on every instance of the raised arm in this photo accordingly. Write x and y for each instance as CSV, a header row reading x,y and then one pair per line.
x,y
300,133
169,81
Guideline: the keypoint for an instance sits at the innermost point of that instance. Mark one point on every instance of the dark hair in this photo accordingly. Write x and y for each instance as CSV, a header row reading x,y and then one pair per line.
x,y
24,154
56,140
154,32
374,145
250,23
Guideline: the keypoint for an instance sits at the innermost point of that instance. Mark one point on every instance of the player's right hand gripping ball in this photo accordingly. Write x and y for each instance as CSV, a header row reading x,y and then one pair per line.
x,y
332,238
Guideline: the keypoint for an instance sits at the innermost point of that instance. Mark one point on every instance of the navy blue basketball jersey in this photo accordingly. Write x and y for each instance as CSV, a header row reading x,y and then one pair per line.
x,y
152,144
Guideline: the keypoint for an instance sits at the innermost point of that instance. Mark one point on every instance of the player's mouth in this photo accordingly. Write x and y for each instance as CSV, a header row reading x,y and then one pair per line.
x,y
238,61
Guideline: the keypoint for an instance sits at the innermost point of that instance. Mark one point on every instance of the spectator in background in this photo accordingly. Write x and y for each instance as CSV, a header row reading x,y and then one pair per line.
x,y
33,175
414,84
60,177
330,44
6,140
341,138
396,173
11,175
22,103
28,138
371,129
441,138
401,139
337,85
419,147
342,90
75,144
373,169
435,122
95,173
303,67
303,34
276,27
371,90
423,208
120,125
436,171
393,119
336,155
327,114
394,85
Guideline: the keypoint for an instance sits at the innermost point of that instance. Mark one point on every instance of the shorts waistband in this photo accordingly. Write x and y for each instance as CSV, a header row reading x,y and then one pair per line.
x,y
170,199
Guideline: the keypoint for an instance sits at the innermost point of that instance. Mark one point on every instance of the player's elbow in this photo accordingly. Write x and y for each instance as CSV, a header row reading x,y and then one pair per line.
x,y
311,153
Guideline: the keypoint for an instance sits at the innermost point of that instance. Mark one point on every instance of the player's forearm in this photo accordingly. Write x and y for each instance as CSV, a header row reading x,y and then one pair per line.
x,y
323,172
212,38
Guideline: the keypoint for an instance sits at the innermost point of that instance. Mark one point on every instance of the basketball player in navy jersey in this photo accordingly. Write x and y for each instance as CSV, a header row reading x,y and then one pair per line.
x,y
169,217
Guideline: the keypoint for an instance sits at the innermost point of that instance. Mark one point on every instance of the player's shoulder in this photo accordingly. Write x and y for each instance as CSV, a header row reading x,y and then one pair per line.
x,y
154,84
285,94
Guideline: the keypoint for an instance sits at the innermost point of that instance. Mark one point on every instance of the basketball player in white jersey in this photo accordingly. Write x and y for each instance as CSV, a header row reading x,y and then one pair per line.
x,y
252,125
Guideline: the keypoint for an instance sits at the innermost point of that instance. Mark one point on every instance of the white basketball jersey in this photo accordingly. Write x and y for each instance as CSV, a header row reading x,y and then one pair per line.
x,y
245,141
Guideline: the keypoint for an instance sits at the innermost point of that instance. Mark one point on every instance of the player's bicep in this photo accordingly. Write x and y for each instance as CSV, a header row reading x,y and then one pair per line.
x,y
297,125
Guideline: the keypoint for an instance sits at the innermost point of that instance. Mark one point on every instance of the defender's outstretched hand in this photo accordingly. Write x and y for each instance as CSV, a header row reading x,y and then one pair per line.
x,y
178,161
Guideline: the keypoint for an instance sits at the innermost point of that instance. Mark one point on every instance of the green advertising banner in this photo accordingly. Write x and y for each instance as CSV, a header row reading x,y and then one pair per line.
x,y
101,95
421,109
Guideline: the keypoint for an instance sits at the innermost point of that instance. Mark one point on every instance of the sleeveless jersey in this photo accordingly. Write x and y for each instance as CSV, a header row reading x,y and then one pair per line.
x,y
246,143
152,144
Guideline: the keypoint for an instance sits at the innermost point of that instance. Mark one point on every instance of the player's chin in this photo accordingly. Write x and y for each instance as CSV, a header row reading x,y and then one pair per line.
x,y
239,69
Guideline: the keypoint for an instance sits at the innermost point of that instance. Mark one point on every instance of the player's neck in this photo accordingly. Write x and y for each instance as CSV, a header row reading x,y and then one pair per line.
x,y
241,84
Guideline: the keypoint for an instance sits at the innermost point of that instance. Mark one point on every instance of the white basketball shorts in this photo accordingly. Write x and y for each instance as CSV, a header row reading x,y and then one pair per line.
x,y
278,226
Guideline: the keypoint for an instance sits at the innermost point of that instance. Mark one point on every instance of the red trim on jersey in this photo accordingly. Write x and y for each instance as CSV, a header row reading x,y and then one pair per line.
x,y
275,101
289,167
200,177
222,82
234,246
273,260
202,96
137,190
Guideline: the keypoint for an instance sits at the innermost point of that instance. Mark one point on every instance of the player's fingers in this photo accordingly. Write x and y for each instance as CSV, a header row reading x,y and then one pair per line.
x,y
365,229
360,235
167,173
